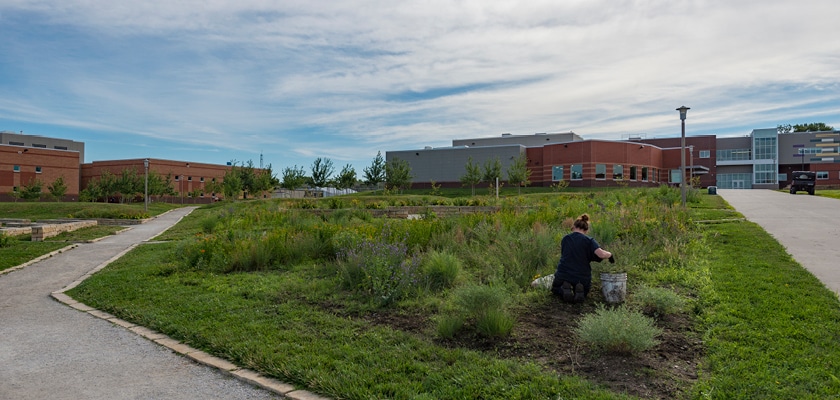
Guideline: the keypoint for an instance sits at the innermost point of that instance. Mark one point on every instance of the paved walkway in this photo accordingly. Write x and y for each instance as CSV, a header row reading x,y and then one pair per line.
x,y
51,351
808,226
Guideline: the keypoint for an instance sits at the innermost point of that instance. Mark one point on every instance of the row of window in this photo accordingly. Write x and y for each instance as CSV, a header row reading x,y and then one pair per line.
x,y
644,174
16,168
38,145
189,178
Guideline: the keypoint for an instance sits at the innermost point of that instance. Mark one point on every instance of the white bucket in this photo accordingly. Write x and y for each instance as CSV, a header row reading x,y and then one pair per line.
x,y
614,287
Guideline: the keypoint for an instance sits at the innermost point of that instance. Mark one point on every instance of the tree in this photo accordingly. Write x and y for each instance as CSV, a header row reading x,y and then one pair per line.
x,y
812,127
473,174
129,185
232,183
492,170
32,190
58,188
346,178
293,178
783,129
247,178
322,170
375,174
397,174
518,173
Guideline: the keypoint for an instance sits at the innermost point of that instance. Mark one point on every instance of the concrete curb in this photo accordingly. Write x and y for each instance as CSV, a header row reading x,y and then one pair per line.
x,y
246,375
243,374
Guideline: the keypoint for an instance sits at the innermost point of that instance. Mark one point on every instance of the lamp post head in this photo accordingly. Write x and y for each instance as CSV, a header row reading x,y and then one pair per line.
x,y
683,110
146,163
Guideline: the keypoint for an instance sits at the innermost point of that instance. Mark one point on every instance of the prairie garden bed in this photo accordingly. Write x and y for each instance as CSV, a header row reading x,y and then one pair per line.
x,y
351,306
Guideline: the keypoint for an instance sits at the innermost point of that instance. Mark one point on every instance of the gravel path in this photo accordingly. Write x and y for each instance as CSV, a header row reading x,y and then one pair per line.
x,y
808,227
51,351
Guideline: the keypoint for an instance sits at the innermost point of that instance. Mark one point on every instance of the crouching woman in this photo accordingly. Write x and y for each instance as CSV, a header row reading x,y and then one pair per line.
x,y
573,278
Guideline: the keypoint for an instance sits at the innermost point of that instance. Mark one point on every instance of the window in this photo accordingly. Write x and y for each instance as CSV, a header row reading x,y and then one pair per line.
x,y
765,173
557,173
705,153
16,168
577,172
40,146
733,155
675,176
653,175
201,180
600,171
618,172
37,170
633,173
644,174
177,178
822,175
17,144
60,147
189,179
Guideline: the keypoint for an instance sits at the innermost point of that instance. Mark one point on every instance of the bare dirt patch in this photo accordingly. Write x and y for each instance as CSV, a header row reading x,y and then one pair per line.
x,y
544,334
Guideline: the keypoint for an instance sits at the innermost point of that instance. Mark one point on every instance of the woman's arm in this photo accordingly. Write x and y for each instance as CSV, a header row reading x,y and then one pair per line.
x,y
602,253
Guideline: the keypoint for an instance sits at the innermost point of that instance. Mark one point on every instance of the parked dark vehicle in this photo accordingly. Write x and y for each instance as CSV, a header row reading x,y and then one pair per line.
x,y
803,181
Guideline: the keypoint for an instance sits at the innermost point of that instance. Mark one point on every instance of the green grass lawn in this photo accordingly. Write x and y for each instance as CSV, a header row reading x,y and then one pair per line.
x,y
21,249
36,211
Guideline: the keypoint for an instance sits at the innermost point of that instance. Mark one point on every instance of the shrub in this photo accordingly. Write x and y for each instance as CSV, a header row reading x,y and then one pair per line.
x,y
441,269
208,224
5,240
484,306
658,301
382,270
494,323
449,325
618,330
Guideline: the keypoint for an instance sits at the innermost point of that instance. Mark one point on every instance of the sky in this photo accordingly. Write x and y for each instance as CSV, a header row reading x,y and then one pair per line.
x,y
290,81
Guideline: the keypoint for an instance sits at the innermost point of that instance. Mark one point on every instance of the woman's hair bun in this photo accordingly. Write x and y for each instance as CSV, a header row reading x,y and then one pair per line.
x,y
584,218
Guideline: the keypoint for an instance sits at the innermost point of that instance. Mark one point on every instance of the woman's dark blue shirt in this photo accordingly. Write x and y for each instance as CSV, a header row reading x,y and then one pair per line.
x,y
576,252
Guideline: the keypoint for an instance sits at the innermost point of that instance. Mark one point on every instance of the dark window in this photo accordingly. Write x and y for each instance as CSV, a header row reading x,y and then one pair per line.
x,y
60,147
40,146
16,144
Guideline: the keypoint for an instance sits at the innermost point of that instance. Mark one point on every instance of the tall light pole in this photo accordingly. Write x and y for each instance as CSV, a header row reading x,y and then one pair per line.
x,y
683,110
146,194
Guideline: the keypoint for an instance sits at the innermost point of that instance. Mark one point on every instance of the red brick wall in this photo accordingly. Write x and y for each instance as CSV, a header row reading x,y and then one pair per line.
x,y
189,175
53,163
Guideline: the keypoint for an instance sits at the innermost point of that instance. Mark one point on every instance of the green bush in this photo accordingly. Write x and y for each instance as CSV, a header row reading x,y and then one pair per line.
x,y
658,301
5,240
494,323
379,267
441,269
618,330
484,306
449,325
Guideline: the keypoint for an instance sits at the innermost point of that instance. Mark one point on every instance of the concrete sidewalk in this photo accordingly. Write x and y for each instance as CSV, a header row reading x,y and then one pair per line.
x,y
808,227
51,351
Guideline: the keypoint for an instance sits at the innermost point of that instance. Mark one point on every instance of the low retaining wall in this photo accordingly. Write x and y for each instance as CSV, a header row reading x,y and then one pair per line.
x,y
41,232
25,230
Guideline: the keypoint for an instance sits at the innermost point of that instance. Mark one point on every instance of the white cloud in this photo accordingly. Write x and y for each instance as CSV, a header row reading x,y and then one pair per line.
x,y
318,78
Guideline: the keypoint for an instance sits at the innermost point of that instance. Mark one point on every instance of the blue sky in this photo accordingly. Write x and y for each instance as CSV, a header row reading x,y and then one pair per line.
x,y
215,81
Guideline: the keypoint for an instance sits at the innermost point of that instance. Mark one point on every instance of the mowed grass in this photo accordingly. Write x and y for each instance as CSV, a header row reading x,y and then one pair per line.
x,y
36,211
774,330
21,249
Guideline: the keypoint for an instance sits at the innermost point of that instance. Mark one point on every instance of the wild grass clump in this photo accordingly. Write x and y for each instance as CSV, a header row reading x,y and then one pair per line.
x,y
484,307
618,330
379,267
440,270
5,240
658,301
